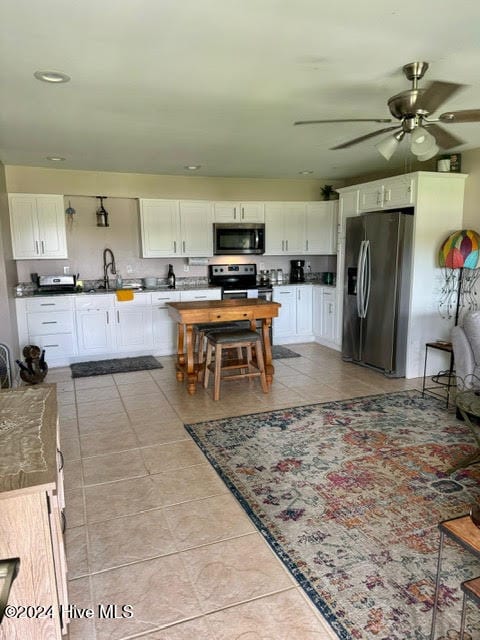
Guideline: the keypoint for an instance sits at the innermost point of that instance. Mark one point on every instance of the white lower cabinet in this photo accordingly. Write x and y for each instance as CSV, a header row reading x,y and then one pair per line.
x,y
133,329
294,322
94,320
163,327
48,323
325,315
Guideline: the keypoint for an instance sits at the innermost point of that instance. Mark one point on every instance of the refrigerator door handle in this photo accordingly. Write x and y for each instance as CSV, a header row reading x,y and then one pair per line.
x,y
361,279
360,275
367,277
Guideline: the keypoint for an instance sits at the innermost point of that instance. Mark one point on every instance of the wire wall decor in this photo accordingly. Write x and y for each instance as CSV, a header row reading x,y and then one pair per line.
x,y
459,292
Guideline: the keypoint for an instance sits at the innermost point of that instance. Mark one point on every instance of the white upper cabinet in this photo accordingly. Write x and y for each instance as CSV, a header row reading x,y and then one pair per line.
x,y
176,228
159,222
321,228
239,212
38,226
387,194
285,228
196,228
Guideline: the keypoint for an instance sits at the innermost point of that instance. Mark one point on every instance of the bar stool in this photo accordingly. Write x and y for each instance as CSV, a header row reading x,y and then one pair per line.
x,y
240,339
200,331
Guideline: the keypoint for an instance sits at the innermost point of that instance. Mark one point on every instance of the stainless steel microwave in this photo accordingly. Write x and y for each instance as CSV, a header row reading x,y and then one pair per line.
x,y
237,239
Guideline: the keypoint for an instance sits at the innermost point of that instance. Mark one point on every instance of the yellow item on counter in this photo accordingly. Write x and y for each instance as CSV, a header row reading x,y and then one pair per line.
x,y
123,295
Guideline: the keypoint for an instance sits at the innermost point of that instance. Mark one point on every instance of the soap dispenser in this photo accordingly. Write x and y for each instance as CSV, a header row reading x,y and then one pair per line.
x,y
171,277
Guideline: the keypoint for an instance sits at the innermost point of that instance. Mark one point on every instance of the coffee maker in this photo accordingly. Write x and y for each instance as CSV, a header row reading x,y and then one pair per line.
x,y
297,273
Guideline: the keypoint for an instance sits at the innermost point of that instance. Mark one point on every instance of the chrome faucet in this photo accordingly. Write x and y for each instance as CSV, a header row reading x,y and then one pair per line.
x,y
108,255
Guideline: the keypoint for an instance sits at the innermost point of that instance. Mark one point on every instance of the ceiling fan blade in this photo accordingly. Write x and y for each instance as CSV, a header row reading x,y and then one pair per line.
x,y
344,120
467,115
436,94
350,143
444,138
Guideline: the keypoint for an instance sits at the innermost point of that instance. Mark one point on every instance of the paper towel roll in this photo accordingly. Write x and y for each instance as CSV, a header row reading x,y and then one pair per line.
x,y
198,262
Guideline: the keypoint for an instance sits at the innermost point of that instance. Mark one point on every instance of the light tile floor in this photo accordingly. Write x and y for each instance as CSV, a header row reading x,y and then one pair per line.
x,y
150,524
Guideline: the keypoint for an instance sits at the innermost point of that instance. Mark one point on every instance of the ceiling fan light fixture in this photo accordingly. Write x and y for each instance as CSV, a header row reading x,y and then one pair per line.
x,y
422,142
388,146
427,156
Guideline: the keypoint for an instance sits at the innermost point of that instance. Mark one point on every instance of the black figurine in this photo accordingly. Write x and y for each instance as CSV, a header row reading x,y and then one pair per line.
x,y
34,370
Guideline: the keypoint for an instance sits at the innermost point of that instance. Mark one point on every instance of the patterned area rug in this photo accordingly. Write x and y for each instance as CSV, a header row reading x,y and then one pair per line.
x,y
116,365
283,352
349,495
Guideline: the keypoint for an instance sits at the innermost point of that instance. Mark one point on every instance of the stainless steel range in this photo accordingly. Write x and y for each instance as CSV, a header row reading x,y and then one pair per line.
x,y
238,281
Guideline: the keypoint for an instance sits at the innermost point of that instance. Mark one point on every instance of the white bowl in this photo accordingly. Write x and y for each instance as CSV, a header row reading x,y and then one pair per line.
x,y
150,282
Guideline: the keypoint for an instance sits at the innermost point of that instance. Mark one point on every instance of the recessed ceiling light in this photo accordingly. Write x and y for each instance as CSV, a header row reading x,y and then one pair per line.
x,y
55,158
51,76
192,167
305,173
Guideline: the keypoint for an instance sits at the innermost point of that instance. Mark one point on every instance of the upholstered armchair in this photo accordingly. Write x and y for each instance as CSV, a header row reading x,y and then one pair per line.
x,y
466,350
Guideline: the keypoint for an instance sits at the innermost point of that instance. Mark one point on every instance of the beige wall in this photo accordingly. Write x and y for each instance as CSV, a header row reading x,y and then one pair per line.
x,y
471,210
8,276
131,185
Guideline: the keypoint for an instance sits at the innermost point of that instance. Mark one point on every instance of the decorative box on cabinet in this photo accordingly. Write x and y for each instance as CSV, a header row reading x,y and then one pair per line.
x,y
38,226
239,212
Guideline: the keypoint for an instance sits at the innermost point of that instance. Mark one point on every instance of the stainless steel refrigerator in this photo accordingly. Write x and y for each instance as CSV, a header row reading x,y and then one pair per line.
x,y
378,252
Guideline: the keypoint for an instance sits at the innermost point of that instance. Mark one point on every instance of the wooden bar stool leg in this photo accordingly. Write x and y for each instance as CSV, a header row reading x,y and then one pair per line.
x,y
261,366
218,370
208,360
200,354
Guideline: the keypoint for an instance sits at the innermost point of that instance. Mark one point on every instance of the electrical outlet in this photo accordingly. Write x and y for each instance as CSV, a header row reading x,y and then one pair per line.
x,y
261,266
129,268
66,271
186,268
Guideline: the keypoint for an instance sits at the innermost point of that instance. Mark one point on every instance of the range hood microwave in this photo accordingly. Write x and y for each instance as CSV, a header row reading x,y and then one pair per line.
x,y
238,239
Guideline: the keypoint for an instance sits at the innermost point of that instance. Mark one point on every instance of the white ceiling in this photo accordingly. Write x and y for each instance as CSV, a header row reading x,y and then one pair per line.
x,y
159,84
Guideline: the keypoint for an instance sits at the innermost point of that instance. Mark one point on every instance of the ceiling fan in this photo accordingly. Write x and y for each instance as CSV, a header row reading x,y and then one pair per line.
x,y
413,108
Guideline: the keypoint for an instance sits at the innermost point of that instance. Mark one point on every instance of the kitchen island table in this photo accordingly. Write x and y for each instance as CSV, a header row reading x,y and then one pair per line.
x,y
187,314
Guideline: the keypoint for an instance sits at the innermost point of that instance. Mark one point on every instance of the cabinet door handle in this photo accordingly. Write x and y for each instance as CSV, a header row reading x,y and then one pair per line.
x,y
108,318
283,293
307,245
174,246
286,245
184,246
330,307
243,213
283,245
62,461
167,298
43,247
234,213
47,346
50,322
47,304
64,521
36,247
200,297
118,317
298,294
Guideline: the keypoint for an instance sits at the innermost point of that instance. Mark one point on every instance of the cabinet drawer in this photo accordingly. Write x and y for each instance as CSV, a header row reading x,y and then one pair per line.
x,y
161,298
229,314
50,323
56,346
139,300
200,294
57,303
94,301
328,294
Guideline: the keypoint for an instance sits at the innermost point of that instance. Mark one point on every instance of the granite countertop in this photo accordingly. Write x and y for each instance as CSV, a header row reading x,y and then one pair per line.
x,y
28,437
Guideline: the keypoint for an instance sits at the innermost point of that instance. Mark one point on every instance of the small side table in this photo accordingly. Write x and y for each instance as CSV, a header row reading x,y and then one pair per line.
x,y
464,533
434,391
471,589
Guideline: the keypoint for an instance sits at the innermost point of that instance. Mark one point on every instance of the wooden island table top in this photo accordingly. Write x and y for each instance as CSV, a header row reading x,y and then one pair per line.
x,y
187,314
